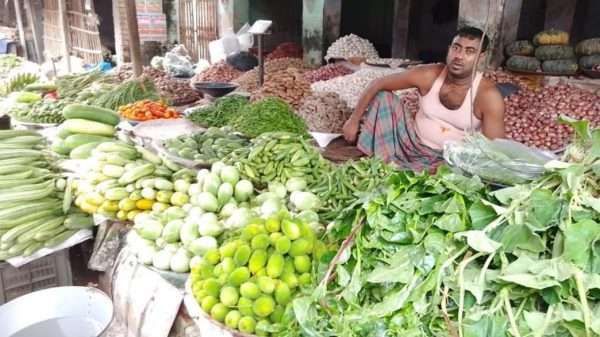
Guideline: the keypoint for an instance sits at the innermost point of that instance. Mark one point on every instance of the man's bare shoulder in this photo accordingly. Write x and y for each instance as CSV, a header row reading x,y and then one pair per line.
x,y
428,70
423,76
488,90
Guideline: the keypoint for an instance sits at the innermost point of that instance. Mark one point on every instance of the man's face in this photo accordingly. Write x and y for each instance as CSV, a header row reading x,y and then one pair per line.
x,y
462,56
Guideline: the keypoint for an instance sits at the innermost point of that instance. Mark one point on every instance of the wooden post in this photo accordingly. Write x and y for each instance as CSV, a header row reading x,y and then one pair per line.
x,y
20,27
560,14
401,25
312,31
134,37
333,21
64,30
475,12
37,42
511,14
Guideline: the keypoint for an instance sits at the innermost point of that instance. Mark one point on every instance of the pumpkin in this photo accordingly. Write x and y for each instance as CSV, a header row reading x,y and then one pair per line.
x,y
588,62
523,63
545,53
564,67
551,37
588,47
524,48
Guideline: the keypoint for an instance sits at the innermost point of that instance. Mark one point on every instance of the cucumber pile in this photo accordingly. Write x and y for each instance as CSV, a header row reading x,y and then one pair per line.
x,y
84,128
35,204
128,180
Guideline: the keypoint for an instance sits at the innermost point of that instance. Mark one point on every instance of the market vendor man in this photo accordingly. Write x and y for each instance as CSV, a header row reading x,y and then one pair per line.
x,y
415,141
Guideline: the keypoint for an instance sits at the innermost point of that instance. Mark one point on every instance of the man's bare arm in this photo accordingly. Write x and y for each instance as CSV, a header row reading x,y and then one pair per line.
x,y
492,111
413,78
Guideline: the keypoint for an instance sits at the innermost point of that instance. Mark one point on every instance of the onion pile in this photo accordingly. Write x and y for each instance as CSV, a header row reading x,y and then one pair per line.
x,y
249,80
327,72
324,112
286,49
218,72
288,84
531,115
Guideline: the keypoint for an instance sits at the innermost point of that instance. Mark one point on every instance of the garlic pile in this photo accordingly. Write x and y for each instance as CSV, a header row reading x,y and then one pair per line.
x,y
324,112
351,87
249,80
288,84
351,46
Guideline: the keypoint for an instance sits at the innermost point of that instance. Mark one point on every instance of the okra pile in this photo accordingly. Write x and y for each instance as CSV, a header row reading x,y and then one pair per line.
x,y
35,203
277,157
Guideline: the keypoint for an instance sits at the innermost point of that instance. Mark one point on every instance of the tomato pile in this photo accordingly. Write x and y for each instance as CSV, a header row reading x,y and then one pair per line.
x,y
147,110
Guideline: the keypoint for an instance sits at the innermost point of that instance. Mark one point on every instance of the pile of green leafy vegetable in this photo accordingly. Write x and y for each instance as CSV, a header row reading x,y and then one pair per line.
x,y
443,256
8,62
128,92
220,113
71,85
268,115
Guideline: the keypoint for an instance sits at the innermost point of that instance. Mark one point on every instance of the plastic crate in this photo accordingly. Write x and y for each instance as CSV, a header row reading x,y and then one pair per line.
x,y
49,271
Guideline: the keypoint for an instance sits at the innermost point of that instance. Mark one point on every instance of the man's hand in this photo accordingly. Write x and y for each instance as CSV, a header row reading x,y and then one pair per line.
x,y
351,129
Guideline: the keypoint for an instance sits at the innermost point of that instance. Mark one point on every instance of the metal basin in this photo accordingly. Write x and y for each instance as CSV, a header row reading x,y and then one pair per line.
x,y
57,312
214,89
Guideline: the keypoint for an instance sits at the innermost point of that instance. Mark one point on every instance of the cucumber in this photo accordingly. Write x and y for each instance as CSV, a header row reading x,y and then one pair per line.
x,y
49,234
32,248
15,232
76,140
91,113
8,224
48,225
41,87
88,127
78,221
5,134
60,238
83,151
63,133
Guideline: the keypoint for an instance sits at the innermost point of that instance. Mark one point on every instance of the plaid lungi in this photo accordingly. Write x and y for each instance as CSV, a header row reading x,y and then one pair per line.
x,y
388,132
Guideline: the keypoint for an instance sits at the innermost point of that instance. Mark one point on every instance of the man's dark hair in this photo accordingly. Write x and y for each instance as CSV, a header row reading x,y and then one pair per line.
x,y
474,33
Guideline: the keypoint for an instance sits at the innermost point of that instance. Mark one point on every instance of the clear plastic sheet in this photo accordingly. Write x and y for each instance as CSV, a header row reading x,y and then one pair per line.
x,y
500,161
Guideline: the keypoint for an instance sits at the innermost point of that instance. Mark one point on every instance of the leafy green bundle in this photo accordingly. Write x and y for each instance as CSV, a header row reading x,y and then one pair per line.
x,y
220,113
443,256
268,115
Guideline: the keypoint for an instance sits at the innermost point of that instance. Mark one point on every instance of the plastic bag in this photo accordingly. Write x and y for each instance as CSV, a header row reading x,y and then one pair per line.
x,y
178,65
157,62
498,161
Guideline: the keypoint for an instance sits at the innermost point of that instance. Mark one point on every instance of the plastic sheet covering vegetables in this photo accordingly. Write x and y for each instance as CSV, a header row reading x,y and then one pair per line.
x,y
442,256
277,157
498,161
